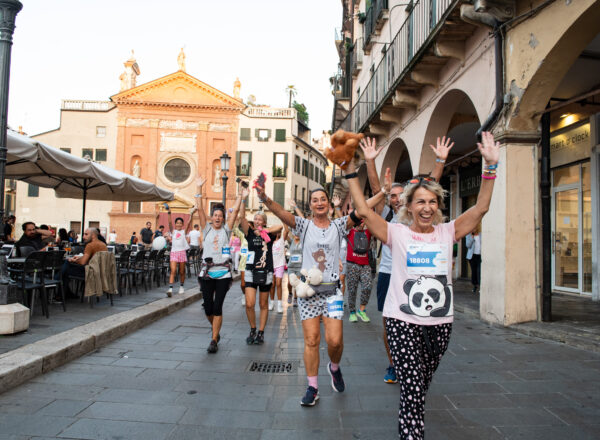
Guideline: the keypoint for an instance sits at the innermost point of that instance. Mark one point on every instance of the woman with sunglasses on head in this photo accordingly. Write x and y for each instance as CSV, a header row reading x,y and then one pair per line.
x,y
321,240
215,276
419,306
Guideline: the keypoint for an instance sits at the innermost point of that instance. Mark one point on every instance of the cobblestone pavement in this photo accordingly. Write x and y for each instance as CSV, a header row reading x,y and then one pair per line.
x,y
159,383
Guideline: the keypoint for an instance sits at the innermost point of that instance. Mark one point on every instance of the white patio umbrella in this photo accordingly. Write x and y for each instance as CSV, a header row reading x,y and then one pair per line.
x,y
74,177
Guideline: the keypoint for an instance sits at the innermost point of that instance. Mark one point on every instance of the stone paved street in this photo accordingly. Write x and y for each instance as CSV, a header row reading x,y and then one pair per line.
x,y
159,383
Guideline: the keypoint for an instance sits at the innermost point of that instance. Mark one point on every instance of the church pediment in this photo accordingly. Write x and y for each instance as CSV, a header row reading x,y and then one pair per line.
x,y
178,88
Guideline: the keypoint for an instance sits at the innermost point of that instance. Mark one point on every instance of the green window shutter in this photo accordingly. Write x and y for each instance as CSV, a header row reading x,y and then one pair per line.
x,y
285,165
279,192
66,149
245,134
237,162
33,191
256,130
250,163
275,165
280,135
100,155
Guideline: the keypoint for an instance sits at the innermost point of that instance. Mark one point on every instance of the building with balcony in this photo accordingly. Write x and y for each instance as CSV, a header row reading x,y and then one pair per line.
x,y
276,142
431,68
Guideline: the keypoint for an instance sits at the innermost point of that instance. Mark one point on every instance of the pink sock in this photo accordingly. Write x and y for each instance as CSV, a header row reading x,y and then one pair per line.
x,y
312,382
334,366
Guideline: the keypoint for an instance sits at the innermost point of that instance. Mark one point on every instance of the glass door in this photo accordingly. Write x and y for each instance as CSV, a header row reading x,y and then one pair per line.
x,y
571,229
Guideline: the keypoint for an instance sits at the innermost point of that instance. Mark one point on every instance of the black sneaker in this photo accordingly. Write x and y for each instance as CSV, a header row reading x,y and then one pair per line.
x,y
260,338
311,397
213,347
251,336
337,381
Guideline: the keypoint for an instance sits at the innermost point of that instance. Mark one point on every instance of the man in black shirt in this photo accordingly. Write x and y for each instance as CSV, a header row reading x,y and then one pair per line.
x,y
32,237
146,235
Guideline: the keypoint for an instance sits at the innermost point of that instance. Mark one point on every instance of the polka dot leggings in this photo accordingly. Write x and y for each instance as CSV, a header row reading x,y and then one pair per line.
x,y
416,351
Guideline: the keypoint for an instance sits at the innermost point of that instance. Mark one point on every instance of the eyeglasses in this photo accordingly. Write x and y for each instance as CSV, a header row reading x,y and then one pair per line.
x,y
419,179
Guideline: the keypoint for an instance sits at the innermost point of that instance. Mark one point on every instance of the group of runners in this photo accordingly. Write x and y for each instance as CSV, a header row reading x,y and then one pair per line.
x,y
414,283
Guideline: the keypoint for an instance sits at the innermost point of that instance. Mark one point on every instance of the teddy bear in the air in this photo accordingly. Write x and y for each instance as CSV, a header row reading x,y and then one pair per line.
x,y
343,147
302,285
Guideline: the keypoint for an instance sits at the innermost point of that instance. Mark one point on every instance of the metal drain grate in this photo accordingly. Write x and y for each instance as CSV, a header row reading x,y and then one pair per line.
x,y
272,367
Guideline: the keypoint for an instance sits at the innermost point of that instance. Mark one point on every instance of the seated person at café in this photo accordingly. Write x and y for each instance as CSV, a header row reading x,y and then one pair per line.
x,y
32,237
75,266
48,240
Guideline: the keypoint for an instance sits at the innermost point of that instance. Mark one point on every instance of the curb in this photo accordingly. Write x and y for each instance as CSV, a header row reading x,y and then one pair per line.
x,y
20,365
537,330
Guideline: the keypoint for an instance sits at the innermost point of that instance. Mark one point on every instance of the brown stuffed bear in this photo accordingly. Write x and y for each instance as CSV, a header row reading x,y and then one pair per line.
x,y
343,147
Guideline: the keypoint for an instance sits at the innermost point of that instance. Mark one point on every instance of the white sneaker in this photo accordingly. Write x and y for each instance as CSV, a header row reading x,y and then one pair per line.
x,y
181,290
170,292
243,300
279,307
270,305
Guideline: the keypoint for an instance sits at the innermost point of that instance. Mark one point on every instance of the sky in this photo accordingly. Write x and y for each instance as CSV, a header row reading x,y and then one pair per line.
x,y
75,49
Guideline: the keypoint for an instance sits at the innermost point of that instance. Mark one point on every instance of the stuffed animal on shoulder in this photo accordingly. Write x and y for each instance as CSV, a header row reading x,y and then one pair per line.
x,y
302,285
343,147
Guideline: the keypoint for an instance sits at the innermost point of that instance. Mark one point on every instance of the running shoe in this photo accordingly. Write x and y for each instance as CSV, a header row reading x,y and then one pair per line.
x,y
290,298
353,317
212,347
270,304
181,290
295,302
363,316
390,376
251,336
170,292
279,307
260,338
243,300
311,397
337,381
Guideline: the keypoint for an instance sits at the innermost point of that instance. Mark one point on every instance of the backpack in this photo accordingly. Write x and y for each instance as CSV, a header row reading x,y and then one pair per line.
x,y
361,243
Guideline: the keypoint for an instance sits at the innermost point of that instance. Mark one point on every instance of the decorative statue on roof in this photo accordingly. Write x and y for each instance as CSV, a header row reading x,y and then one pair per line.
x,y
237,85
181,60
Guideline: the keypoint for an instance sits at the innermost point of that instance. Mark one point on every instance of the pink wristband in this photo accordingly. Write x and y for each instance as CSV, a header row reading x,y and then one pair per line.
x,y
488,177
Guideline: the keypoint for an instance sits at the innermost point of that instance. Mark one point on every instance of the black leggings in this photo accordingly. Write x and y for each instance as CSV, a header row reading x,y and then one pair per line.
x,y
475,263
213,293
416,351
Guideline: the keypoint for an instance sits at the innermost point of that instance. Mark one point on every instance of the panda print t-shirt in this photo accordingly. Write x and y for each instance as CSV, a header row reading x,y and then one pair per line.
x,y
420,289
321,248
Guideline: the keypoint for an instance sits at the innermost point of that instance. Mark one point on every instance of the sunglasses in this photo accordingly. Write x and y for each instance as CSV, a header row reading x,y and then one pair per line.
x,y
419,179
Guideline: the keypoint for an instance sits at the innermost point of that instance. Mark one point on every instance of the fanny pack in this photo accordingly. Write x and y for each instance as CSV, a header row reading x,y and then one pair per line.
x,y
259,276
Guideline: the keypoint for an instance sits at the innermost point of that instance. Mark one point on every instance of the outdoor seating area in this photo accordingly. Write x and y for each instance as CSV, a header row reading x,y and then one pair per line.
x,y
36,282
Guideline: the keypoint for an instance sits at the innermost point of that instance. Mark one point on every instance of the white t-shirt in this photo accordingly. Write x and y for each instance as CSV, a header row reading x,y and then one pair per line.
x,y
278,253
216,246
194,236
321,248
178,241
112,237
385,264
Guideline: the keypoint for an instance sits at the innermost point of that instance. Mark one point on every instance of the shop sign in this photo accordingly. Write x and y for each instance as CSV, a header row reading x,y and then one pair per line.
x,y
570,145
470,181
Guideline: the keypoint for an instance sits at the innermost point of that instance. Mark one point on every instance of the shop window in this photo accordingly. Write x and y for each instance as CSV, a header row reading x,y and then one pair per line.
x,y
33,190
245,134
243,162
100,155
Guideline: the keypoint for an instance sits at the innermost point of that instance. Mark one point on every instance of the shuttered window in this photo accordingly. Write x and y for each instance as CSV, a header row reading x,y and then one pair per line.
x,y
297,163
280,164
245,134
243,163
279,192
33,190
262,134
280,135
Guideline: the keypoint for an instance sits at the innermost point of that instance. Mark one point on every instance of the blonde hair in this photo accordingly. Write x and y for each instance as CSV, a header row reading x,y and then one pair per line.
x,y
407,196
263,216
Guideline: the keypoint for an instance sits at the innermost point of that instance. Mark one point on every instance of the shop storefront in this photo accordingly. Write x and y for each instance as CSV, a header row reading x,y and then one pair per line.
x,y
572,211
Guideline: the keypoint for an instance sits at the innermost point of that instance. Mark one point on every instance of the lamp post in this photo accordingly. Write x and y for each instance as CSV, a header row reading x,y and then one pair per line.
x,y
225,158
8,13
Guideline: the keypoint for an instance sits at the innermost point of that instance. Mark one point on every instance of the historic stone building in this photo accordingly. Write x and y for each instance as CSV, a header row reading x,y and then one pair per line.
x,y
529,72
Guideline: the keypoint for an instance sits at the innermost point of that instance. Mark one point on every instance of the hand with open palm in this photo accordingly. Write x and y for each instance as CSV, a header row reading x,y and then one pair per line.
x,y
442,148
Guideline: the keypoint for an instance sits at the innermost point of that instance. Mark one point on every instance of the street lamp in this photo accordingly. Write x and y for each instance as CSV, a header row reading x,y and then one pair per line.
x,y
8,13
225,159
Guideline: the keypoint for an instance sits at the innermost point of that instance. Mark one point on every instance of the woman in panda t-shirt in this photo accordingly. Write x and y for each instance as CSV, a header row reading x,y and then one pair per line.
x,y
321,240
418,308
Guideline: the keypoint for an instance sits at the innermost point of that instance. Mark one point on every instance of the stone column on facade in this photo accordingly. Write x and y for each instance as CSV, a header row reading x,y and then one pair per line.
x,y
509,257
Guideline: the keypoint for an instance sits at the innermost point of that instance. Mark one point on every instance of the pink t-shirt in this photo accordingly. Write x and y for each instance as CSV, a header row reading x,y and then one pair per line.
x,y
420,289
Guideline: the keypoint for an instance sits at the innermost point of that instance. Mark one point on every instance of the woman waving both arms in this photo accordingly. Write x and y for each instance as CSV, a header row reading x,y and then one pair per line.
x,y
418,307
215,276
321,240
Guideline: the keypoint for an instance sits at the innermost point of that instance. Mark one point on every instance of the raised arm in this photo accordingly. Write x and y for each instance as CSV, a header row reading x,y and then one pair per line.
x,y
441,151
169,218
201,214
286,232
369,147
242,214
337,206
490,151
296,209
285,216
274,229
236,208
376,224
189,225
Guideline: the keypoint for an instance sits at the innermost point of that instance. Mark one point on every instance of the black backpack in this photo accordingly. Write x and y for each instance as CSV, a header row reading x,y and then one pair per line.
x,y
361,243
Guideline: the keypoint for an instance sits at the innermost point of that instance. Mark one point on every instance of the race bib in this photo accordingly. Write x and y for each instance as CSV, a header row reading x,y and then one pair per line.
x,y
243,251
250,258
225,252
296,259
427,259
335,305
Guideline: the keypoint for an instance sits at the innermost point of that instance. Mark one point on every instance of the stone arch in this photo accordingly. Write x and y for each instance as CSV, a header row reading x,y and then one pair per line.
x,y
397,159
454,113
552,55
